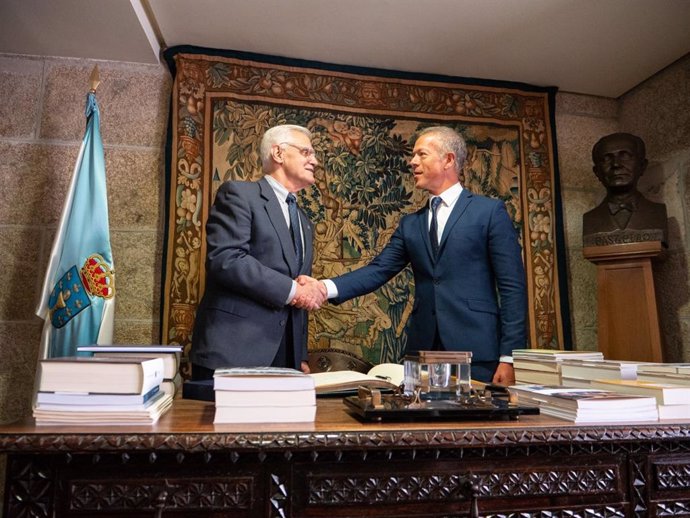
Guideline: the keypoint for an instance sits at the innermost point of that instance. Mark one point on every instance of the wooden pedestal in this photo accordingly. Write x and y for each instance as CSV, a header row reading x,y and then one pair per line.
x,y
628,318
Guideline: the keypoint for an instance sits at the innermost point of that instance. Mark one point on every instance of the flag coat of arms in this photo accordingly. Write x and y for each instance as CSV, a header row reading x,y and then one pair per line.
x,y
77,301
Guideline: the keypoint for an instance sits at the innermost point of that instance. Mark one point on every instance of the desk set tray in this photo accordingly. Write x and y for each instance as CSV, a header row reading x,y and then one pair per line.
x,y
396,409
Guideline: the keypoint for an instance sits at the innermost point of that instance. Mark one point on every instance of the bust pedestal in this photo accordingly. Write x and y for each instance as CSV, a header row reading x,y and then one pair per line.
x,y
628,318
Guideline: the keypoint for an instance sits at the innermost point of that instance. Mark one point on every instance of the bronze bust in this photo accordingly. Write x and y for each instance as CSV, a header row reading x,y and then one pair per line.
x,y
625,215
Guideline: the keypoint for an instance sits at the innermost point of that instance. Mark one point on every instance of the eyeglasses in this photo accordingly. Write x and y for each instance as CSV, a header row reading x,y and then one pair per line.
x,y
306,152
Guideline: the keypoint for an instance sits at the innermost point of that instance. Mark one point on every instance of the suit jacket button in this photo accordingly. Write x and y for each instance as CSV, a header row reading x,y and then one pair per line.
x,y
436,282
283,322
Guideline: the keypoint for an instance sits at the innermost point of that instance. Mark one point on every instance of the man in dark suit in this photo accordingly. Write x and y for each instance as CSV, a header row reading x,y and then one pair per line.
x,y
469,278
250,314
625,215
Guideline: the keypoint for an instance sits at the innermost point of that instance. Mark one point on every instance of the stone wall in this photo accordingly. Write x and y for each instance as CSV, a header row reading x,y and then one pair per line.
x,y
658,110
580,122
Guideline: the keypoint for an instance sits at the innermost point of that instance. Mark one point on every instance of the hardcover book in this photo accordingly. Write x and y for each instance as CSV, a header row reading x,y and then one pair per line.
x,y
172,386
127,348
170,353
556,354
264,398
664,377
529,362
665,394
77,398
601,369
261,378
674,412
265,414
665,368
110,408
536,377
100,375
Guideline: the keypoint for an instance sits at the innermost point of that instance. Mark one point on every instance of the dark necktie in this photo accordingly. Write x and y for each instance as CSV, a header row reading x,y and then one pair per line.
x,y
433,228
295,228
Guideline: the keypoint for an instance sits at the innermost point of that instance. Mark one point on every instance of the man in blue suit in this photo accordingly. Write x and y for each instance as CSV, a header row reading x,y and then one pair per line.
x,y
470,290
253,312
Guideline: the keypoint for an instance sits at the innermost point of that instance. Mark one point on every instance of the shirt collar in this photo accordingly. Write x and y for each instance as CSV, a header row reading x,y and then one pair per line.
x,y
278,188
450,195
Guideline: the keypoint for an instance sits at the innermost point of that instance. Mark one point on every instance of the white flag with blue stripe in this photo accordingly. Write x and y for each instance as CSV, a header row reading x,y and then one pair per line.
x,y
78,298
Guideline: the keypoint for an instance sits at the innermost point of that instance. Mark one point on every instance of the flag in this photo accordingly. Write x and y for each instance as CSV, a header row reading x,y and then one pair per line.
x,y
78,298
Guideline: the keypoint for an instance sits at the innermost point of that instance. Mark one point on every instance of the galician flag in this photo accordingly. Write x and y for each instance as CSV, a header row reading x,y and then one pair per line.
x,y
78,298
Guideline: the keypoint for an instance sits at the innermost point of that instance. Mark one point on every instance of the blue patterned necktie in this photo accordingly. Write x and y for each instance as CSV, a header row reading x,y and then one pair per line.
x,y
433,228
295,228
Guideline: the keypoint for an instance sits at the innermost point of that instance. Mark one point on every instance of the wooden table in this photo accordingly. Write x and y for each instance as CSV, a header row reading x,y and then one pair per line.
x,y
338,467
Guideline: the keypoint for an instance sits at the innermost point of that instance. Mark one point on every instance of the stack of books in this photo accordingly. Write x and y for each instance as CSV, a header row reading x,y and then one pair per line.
x,y
171,354
588,405
263,395
673,401
542,366
100,391
580,373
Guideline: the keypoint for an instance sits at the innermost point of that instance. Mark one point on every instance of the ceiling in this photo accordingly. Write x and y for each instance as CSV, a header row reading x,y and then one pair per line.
x,y
595,47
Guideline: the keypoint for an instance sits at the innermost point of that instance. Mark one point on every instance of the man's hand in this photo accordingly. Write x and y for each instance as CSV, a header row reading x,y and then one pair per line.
x,y
504,375
310,294
304,367
305,279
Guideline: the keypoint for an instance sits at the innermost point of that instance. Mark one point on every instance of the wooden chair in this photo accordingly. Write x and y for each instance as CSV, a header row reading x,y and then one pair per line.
x,y
324,360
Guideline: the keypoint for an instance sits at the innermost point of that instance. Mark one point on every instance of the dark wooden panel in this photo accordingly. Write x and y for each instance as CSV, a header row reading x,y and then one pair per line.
x,y
339,468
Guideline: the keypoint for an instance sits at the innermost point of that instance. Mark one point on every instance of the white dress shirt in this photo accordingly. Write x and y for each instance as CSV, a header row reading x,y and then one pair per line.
x,y
448,199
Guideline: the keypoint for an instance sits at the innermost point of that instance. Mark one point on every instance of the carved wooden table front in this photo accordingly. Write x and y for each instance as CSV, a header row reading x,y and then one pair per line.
x,y
339,467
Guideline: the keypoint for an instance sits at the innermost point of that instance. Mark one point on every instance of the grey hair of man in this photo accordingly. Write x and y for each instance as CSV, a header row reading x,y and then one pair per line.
x,y
450,142
277,135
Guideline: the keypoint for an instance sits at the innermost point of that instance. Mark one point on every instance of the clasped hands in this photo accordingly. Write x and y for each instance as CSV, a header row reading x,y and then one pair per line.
x,y
311,293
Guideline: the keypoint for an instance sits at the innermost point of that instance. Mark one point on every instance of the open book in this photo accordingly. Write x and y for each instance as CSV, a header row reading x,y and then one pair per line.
x,y
383,376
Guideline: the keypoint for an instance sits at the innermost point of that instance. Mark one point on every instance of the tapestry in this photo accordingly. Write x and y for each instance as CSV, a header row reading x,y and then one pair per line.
x,y
364,124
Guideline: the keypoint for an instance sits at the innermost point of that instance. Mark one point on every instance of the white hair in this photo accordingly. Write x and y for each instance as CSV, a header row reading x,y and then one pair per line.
x,y
277,135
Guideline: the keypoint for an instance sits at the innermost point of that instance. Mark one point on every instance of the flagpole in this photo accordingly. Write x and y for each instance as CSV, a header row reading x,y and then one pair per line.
x,y
107,329
94,80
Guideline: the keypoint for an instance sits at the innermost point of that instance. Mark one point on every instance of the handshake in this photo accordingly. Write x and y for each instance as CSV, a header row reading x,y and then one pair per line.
x,y
311,293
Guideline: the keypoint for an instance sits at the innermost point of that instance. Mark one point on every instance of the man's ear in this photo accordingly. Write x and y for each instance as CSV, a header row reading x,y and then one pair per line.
x,y
643,166
450,160
277,154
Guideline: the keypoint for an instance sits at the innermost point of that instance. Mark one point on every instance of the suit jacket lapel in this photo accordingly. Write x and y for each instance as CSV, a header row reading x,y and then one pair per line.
x,y
460,207
275,214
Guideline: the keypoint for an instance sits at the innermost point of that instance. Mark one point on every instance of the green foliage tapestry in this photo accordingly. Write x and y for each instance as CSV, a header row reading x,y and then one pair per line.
x,y
364,124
